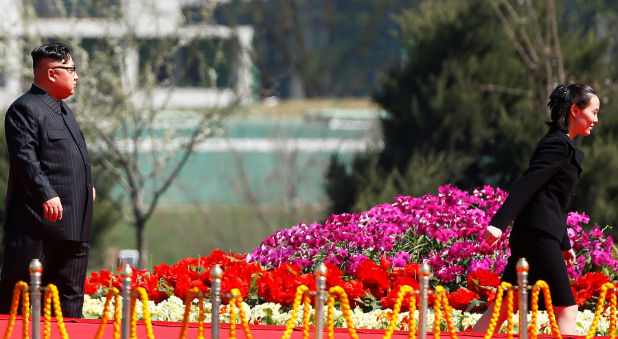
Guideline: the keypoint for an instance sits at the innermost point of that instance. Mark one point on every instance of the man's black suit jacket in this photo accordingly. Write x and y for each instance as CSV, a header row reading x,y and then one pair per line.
x,y
540,198
48,158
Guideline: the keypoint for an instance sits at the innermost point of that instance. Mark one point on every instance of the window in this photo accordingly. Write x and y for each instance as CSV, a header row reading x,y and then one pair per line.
x,y
200,63
77,8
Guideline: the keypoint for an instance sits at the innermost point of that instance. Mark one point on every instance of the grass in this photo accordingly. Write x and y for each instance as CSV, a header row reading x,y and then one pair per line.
x,y
176,232
297,107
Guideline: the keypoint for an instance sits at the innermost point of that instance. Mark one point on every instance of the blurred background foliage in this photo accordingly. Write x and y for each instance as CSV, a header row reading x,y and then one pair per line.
x,y
462,105
463,108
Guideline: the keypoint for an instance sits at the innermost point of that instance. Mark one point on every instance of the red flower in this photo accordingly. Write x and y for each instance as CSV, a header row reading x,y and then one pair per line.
x,y
181,290
588,286
461,299
279,285
391,298
103,279
484,283
385,264
354,289
373,278
333,275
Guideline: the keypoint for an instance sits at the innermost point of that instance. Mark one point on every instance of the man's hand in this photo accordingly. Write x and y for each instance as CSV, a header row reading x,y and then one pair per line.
x,y
53,209
569,257
491,235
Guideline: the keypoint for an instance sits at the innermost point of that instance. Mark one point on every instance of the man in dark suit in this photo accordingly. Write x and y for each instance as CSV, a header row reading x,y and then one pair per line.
x,y
50,191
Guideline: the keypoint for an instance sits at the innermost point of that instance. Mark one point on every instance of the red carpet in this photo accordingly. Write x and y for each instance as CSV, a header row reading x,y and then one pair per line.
x,y
86,329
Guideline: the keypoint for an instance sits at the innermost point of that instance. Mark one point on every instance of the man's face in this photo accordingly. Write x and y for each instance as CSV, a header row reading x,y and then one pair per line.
x,y
62,75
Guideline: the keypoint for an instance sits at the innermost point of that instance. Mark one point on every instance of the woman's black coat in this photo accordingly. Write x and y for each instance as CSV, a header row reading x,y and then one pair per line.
x,y
540,198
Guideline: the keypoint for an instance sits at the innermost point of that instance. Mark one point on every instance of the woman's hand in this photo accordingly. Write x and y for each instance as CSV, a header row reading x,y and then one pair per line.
x,y
569,257
491,235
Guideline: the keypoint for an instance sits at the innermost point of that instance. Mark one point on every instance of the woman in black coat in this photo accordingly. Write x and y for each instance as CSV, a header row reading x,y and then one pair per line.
x,y
539,201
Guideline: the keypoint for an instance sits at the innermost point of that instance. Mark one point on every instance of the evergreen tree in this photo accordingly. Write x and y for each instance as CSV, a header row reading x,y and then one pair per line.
x,y
464,109
317,48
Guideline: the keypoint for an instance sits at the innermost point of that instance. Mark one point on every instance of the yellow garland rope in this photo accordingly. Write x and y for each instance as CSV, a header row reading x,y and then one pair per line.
x,y
236,301
112,293
534,308
306,310
436,315
300,291
51,294
542,285
47,314
17,291
600,305
141,292
510,313
241,312
411,319
117,315
442,300
401,294
133,317
497,305
345,307
200,316
612,316
232,319
185,320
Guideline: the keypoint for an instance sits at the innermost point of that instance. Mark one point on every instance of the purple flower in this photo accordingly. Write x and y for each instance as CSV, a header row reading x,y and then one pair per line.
x,y
442,230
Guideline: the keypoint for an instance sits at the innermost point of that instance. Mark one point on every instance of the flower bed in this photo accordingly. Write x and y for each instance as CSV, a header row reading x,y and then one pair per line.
x,y
172,309
370,255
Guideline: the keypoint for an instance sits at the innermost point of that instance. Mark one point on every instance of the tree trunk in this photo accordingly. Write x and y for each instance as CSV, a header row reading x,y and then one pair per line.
x,y
140,224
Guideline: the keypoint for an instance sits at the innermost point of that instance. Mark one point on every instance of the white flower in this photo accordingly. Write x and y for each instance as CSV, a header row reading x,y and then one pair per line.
x,y
173,308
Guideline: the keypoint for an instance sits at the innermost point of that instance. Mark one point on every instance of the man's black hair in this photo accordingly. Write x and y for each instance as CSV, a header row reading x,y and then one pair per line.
x,y
54,50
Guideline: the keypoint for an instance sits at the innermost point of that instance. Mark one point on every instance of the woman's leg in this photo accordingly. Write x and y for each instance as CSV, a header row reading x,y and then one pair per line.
x,y
566,317
482,324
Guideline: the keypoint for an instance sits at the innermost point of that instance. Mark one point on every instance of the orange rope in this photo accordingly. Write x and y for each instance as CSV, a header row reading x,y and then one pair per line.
x,y
185,320
345,307
306,310
200,316
597,316
236,300
300,291
51,294
510,313
17,291
111,294
401,294
497,305
442,300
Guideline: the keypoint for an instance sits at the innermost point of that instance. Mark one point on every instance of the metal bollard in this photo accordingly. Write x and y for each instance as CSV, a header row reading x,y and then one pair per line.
x,y
424,272
36,270
320,296
126,274
215,299
522,282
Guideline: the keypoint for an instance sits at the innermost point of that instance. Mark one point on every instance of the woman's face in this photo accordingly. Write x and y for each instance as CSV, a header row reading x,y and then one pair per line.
x,y
582,120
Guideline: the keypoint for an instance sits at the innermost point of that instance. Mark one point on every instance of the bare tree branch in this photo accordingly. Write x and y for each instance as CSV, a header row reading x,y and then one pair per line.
x,y
511,34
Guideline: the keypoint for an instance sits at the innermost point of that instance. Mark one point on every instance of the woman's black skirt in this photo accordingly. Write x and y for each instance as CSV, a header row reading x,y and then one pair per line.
x,y
544,256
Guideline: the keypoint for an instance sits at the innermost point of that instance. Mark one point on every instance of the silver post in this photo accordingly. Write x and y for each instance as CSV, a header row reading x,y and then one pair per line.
x,y
36,270
320,296
424,272
215,299
522,282
126,274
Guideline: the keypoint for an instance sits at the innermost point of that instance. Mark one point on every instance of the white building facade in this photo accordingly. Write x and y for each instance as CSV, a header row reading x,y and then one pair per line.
x,y
141,19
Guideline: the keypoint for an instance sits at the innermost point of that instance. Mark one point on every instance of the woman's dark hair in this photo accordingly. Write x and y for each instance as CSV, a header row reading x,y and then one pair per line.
x,y
561,100
54,50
